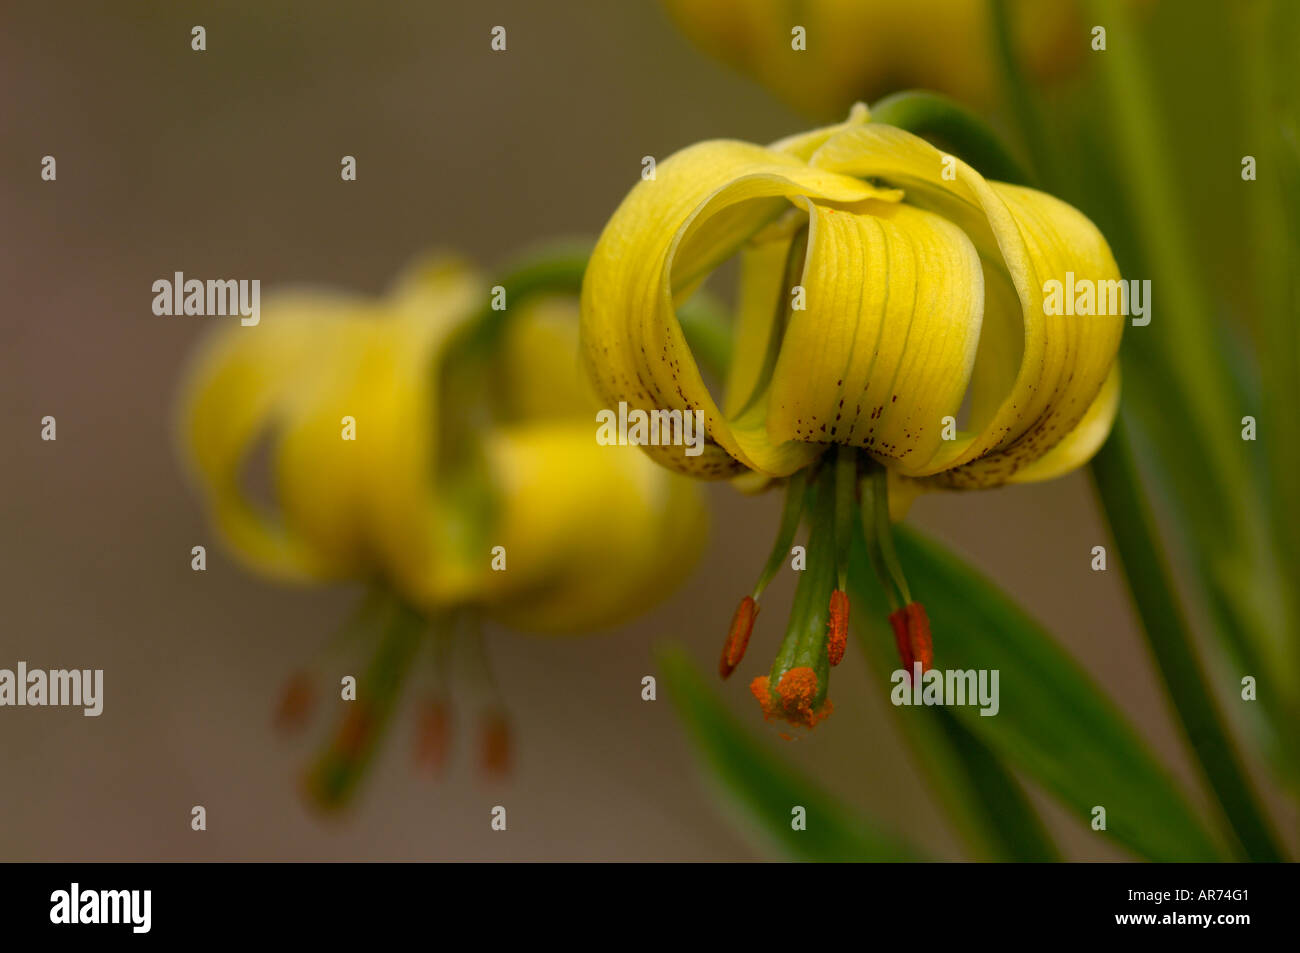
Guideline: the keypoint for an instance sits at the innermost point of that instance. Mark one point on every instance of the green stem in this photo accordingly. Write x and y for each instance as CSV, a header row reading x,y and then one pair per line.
x,y
337,771
1275,255
1018,91
1236,549
1199,378
1152,588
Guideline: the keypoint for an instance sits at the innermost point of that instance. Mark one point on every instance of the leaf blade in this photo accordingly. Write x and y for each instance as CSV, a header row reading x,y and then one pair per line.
x,y
765,788
1053,723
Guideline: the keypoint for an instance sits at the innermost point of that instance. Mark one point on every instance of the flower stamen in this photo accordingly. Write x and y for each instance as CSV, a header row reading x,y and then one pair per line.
x,y
496,745
837,635
434,741
742,622
742,626
297,701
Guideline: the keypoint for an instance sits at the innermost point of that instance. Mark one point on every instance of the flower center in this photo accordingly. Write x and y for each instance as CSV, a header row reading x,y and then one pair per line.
x,y
840,496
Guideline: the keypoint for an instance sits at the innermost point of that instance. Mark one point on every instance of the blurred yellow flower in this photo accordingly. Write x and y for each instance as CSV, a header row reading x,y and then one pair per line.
x,y
345,390
862,49
398,458
891,300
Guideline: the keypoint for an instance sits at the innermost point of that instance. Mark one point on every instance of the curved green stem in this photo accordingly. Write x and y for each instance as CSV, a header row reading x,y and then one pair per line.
x,y
1025,108
1151,586
1196,372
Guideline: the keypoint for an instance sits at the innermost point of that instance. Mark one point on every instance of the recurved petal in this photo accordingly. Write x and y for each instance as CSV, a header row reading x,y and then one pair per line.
x,y
593,534
1025,238
884,348
1078,447
668,232
331,431
236,391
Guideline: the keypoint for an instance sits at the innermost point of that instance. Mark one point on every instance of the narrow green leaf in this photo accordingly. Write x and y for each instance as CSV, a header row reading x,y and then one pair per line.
x,y
762,787
1053,724
983,799
1151,585
1211,474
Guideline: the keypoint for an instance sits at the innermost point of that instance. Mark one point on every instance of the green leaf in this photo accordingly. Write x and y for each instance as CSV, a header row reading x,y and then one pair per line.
x,y
982,798
1169,638
762,787
1210,476
1054,724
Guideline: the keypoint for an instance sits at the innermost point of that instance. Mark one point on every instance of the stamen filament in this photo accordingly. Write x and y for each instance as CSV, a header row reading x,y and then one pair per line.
x,y
298,694
872,534
880,498
742,621
795,493
333,777
846,507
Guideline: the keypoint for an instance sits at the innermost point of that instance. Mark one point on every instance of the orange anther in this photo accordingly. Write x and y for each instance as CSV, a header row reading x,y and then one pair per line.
x,y
898,620
434,739
837,635
742,624
297,699
918,633
496,745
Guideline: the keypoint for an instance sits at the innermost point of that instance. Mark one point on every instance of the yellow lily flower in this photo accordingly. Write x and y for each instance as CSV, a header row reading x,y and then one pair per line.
x,y
862,49
891,307
387,468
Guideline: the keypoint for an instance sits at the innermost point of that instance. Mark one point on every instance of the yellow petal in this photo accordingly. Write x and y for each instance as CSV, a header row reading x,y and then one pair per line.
x,y
884,349
235,391
1082,442
538,372
668,232
1030,238
593,534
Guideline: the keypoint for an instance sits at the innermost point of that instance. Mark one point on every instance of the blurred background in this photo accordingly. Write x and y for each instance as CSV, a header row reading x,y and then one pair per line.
x,y
225,163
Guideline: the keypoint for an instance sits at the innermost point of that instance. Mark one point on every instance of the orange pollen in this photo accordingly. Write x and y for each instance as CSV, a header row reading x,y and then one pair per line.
x,y
760,690
742,625
918,632
296,702
794,697
798,688
837,635
496,746
434,736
